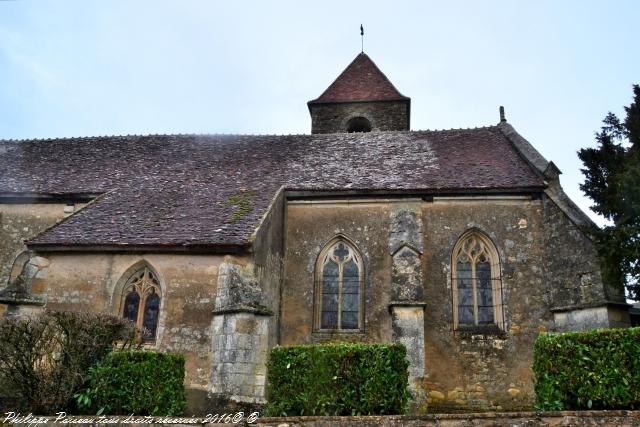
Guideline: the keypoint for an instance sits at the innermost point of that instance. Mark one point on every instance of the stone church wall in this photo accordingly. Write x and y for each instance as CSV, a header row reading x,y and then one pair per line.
x,y
89,282
575,289
20,222
309,227
483,369
245,323
383,116
546,263
268,248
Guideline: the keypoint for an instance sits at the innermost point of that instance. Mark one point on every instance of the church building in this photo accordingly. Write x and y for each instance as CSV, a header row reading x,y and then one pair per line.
x,y
459,243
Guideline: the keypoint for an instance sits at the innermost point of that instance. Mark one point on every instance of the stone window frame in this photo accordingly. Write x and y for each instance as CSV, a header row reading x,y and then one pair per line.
x,y
359,122
496,282
18,265
344,123
124,284
318,284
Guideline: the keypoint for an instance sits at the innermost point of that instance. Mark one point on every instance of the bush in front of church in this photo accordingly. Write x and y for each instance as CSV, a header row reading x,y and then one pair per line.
x,y
45,359
337,379
598,369
140,382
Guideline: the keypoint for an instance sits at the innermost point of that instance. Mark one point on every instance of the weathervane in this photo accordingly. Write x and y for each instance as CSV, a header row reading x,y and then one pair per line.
x,y
362,37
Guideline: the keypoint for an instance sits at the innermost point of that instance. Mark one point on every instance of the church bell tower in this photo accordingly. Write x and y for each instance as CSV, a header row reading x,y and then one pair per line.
x,y
361,99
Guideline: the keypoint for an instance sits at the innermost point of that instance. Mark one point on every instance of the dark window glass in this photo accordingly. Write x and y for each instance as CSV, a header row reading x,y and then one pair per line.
x,y
340,252
131,305
330,289
474,284
465,293
485,292
329,320
350,278
349,320
340,289
150,322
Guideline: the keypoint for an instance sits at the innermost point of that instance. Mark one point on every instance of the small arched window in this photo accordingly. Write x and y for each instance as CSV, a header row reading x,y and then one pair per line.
x,y
18,265
476,282
141,301
339,288
358,124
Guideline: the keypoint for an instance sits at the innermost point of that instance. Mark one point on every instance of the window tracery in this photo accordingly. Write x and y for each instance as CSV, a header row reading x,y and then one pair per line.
x,y
141,301
339,288
476,282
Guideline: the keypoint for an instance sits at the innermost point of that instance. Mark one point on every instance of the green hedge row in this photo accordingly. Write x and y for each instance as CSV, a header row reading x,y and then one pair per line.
x,y
337,379
598,369
140,382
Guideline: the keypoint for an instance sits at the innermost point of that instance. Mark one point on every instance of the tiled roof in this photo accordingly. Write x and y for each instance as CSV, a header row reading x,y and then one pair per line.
x,y
362,80
184,190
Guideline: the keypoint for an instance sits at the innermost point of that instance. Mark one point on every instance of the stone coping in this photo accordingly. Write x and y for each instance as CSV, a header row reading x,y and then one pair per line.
x,y
529,419
244,308
407,304
18,298
586,306
551,418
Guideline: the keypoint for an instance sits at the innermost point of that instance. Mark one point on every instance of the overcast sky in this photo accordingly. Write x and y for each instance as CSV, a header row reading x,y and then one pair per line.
x,y
82,68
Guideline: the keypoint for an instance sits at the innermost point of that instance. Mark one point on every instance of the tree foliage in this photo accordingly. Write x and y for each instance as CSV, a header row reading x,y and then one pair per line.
x,y
45,359
612,181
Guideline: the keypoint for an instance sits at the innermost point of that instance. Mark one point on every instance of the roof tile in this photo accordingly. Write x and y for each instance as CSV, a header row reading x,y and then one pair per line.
x,y
179,190
362,80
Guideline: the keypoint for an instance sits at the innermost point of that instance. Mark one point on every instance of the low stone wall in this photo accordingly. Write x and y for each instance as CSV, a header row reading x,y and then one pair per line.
x,y
498,419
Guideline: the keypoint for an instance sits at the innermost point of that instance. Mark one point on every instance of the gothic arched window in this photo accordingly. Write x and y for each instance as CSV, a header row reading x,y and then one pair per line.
x,y
476,282
141,301
339,288
18,265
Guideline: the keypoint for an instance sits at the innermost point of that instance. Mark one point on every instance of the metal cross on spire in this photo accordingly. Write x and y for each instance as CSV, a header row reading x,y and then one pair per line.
x,y
362,37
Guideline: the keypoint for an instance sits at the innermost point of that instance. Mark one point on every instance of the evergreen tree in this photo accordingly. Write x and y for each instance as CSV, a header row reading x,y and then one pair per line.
x,y
612,181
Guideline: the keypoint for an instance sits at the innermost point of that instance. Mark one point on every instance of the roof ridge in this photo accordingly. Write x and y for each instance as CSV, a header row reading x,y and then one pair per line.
x,y
454,129
145,135
255,135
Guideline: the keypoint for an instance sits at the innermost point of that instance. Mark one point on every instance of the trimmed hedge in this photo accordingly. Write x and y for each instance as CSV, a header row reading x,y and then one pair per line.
x,y
337,379
140,382
598,369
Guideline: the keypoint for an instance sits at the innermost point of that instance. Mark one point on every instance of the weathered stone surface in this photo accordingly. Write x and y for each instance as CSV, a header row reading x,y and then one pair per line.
x,y
237,286
24,293
406,229
476,367
383,116
309,227
408,328
239,355
584,318
20,222
571,264
406,246
92,282
406,275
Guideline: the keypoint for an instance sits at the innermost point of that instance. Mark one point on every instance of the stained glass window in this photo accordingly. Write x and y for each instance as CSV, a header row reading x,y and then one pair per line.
x,y
141,302
476,282
340,288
